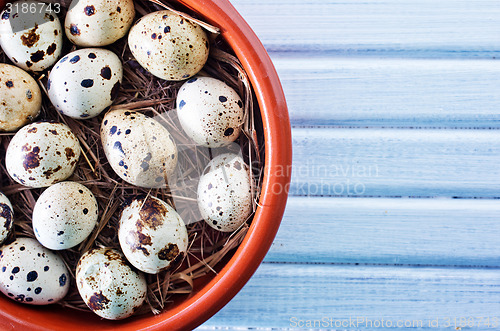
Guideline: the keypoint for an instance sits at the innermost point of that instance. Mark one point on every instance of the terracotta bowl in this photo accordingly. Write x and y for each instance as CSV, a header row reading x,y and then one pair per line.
x,y
210,294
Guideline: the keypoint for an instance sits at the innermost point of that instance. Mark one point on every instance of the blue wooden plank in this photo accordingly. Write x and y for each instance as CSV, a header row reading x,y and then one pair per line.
x,y
391,92
390,28
453,232
295,296
396,162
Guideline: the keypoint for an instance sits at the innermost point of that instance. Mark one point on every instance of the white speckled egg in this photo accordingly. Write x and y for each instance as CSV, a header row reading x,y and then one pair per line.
x,y
31,37
64,215
168,46
108,285
6,217
152,235
210,112
139,149
20,98
32,274
41,154
98,22
224,192
85,82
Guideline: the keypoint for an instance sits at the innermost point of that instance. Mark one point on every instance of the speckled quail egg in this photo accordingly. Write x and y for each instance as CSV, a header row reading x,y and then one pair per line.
x,y
85,82
139,149
224,192
108,285
210,112
152,235
6,217
42,153
98,22
169,46
32,274
20,98
64,215
31,35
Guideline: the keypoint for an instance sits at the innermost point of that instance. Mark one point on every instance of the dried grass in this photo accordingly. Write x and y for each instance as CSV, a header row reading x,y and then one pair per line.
x,y
155,97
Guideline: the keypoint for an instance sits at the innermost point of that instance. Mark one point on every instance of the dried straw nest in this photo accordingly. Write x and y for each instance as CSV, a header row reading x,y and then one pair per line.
x,y
154,97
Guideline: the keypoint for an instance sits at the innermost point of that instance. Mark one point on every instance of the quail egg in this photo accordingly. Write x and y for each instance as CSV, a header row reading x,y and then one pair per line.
x,y
85,82
108,285
31,34
169,46
210,112
98,22
20,98
224,192
152,235
32,274
139,149
64,215
42,153
6,217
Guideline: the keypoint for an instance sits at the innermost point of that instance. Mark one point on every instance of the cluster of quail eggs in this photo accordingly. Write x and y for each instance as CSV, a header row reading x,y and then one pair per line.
x,y
43,154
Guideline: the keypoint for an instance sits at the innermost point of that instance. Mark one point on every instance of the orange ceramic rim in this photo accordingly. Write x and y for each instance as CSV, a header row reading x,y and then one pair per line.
x,y
205,302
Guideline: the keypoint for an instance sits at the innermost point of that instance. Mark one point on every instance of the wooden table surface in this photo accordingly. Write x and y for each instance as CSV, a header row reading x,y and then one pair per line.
x,y
393,218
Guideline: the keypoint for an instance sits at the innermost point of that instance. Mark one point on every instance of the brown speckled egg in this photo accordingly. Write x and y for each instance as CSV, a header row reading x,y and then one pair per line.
x,y
96,23
42,153
6,217
210,112
139,149
32,274
20,98
224,192
152,235
85,82
108,285
169,46
64,215
31,37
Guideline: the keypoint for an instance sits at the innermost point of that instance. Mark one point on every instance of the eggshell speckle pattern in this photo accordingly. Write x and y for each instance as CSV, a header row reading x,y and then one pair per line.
x,y
169,46
108,285
20,98
210,112
139,149
85,82
32,40
152,235
32,274
64,215
224,193
42,153
6,217
98,22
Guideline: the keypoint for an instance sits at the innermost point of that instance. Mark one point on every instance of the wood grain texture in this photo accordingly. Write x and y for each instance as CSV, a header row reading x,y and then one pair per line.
x,y
389,99
391,92
396,162
451,232
416,28
280,294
